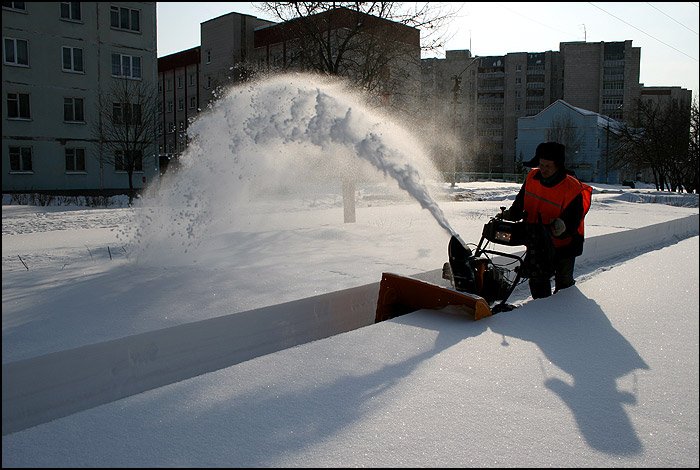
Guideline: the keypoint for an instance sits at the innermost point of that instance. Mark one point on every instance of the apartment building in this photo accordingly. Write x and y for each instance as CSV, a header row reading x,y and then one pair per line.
x,y
227,52
379,55
179,102
482,98
448,109
664,95
493,92
235,45
59,58
602,77
188,81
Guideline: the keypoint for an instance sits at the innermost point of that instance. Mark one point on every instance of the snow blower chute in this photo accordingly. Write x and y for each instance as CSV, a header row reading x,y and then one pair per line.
x,y
479,283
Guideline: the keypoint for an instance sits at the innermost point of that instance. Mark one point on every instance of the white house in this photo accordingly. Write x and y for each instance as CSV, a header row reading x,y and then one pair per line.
x,y
586,135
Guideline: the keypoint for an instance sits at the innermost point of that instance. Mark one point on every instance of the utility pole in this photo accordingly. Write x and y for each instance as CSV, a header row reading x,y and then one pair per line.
x,y
455,97
607,150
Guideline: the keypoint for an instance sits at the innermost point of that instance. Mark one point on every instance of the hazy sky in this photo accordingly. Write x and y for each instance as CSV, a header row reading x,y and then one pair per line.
x,y
667,32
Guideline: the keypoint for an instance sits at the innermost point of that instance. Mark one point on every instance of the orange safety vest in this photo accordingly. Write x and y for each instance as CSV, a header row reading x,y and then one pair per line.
x,y
544,204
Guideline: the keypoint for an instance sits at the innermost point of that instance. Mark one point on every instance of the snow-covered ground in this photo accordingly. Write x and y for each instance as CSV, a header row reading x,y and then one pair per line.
x,y
219,305
605,374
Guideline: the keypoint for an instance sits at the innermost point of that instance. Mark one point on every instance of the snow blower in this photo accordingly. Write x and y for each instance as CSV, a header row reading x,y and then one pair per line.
x,y
480,284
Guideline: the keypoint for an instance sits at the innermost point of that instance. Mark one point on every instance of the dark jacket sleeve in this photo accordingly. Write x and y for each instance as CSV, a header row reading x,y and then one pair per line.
x,y
516,209
572,214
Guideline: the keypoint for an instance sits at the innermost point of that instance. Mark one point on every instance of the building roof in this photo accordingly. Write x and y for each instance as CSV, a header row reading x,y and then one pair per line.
x,y
179,59
335,19
603,121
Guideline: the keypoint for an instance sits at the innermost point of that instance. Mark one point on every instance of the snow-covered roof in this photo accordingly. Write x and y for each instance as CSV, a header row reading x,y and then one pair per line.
x,y
603,121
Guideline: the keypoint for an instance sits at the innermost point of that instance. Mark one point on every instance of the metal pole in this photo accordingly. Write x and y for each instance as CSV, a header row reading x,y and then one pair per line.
x,y
455,93
607,150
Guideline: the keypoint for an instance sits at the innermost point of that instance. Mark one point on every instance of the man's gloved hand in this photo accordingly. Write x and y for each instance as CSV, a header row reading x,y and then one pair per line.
x,y
557,227
504,214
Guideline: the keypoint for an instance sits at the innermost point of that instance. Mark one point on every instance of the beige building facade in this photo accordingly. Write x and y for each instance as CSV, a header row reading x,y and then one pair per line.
x,y
58,59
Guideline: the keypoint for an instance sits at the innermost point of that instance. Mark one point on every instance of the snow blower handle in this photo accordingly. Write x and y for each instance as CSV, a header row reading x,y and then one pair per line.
x,y
504,214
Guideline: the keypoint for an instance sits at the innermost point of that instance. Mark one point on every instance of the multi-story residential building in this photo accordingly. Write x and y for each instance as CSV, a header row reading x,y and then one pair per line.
x,y
483,97
234,46
533,81
188,81
59,58
664,95
448,114
380,55
602,77
227,50
493,92
179,98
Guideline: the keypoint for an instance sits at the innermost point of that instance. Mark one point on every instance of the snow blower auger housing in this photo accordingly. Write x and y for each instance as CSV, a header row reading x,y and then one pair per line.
x,y
478,285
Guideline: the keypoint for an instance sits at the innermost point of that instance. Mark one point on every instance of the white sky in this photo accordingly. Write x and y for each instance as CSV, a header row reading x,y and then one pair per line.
x,y
187,287
667,32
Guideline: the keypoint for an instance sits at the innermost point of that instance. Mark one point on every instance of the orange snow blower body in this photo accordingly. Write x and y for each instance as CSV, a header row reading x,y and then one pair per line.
x,y
479,286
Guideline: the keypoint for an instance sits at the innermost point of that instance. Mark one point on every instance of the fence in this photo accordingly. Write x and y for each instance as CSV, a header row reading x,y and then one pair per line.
x,y
469,176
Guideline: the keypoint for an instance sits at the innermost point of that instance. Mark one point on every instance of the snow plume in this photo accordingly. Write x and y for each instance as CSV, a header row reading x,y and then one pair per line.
x,y
283,137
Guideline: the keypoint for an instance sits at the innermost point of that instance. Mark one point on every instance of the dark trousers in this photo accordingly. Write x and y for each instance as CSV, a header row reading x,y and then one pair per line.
x,y
563,277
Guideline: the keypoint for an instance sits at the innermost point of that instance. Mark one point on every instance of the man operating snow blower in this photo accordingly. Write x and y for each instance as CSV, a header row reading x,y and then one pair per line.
x,y
554,198
546,217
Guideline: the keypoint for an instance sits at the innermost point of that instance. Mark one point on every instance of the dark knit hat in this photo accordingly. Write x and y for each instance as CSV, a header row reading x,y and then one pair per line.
x,y
553,151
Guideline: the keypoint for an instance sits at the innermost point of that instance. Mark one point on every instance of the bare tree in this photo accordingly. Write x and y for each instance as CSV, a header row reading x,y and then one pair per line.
x,y
126,127
363,41
566,132
691,180
660,139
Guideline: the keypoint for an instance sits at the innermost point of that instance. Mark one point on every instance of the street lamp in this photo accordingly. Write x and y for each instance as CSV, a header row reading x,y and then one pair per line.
x,y
455,94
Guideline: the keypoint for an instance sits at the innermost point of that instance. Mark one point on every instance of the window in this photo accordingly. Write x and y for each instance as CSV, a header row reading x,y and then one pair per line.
x,y
192,83
170,106
21,159
208,56
16,52
135,116
126,66
72,59
181,104
126,113
70,11
18,106
193,102
75,160
168,84
171,128
73,110
133,156
124,18
179,82
14,6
